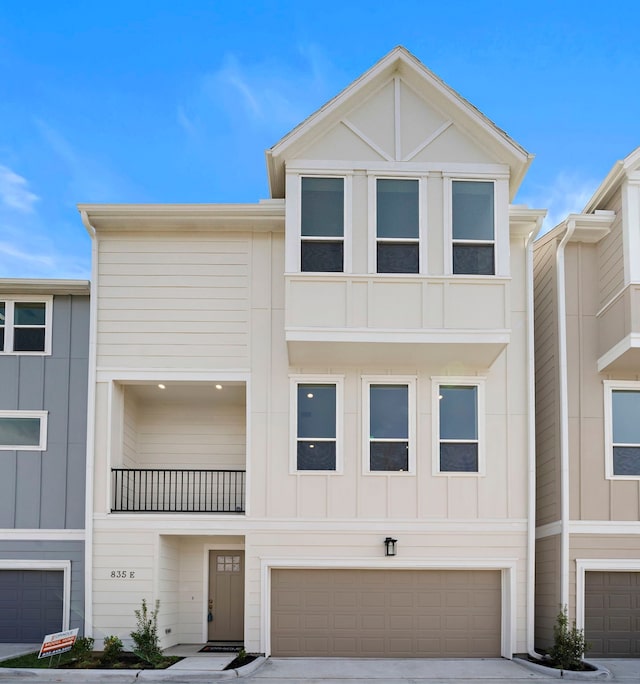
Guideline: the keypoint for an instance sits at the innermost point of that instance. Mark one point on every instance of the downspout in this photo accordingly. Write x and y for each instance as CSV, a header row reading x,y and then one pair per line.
x,y
91,421
531,446
564,415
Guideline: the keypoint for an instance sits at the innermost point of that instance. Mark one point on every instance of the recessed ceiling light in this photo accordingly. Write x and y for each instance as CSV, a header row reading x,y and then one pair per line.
x,y
161,386
218,386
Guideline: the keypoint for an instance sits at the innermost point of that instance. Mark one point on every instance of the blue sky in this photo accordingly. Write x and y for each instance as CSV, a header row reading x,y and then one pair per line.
x,y
177,101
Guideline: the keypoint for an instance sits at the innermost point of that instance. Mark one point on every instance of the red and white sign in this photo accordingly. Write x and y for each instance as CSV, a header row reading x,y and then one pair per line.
x,y
57,643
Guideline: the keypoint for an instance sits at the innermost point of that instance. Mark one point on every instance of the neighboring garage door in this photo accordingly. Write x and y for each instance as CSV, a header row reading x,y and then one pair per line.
x,y
30,604
386,613
612,614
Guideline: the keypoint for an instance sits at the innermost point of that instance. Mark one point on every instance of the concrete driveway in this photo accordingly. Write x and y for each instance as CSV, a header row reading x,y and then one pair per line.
x,y
411,671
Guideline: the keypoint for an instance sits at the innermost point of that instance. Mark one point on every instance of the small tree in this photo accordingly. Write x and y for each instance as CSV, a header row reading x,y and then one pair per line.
x,y
145,637
569,645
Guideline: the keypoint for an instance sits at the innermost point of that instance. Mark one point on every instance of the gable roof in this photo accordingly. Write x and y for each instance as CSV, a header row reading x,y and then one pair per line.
x,y
621,169
398,62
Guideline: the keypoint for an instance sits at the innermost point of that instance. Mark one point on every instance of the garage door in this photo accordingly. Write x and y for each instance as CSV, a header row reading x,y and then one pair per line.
x,y
612,614
30,604
386,613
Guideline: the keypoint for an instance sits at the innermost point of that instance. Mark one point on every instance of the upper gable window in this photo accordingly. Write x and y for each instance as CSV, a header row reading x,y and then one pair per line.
x,y
622,408
397,226
473,227
25,326
322,225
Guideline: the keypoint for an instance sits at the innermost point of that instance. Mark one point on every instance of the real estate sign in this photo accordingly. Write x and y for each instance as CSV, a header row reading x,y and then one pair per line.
x,y
57,643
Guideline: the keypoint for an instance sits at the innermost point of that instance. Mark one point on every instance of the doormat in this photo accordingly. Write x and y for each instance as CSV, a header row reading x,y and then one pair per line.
x,y
221,647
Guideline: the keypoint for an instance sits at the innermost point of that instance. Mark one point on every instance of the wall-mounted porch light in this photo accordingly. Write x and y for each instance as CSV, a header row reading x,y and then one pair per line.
x,y
390,546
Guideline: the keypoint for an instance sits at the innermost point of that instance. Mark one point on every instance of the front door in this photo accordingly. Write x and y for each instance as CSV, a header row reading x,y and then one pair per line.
x,y
226,596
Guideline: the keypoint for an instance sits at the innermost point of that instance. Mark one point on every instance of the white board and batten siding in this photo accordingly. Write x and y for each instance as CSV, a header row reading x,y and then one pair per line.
x,y
179,300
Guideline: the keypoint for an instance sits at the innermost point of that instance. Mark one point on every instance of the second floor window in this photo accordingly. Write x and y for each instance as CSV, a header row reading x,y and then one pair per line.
x,y
322,225
316,432
23,326
397,226
23,430
473,227
625,433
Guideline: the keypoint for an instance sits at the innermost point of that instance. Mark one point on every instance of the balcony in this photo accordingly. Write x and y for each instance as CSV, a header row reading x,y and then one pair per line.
x,y
144,490
356,319
619,332
177,447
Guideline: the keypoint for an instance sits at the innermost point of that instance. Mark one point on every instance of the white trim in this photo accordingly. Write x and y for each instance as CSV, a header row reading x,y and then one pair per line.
x,y
294,381
631,230
42,442
399,336
549,530
410,381
41,535
631,341
609,387
397,119
428,140
153,375
366,139
56,565
9,324
584,565
604,527
508,567
463,381
186,524
473,170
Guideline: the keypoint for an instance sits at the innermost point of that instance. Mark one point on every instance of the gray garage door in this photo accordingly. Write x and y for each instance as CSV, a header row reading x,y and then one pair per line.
x,y
386,613
612,614
30,604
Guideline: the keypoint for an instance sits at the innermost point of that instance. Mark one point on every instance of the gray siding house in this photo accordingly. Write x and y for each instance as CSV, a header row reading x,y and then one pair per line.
x,y
44,345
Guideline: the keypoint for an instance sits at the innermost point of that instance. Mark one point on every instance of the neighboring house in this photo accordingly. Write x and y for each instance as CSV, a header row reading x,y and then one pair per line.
x,y
44,349
282,386
587,321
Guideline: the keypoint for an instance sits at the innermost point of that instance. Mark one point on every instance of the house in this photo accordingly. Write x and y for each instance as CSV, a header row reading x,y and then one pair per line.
x,y
313,416
44,350
587,272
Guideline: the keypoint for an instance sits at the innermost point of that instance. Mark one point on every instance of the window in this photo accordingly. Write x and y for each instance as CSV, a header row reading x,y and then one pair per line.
x,y
622,427
322,224
23,430
25,326
316,415
458,426
389,424
473,227
397,226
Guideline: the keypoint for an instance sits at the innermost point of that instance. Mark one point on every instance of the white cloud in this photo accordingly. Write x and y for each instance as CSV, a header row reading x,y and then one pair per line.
x,y
9,252
268,93
14,192
568,193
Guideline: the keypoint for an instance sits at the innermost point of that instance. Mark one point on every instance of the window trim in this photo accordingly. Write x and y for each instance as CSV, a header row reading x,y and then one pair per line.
x,y
411,382
460,381
42,445
501,266
9,325
346,222
372,209
294,381
609,387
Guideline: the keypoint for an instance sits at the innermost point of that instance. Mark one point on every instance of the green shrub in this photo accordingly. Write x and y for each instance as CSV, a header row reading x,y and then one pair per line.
x,y
569,645
83,648
112,649
145,637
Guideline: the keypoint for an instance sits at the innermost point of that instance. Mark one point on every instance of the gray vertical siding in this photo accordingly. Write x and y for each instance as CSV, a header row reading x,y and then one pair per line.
x,y
46,489
54,550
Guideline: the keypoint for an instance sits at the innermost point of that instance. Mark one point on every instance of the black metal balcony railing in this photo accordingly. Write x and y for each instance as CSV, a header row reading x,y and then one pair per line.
x,y
142,490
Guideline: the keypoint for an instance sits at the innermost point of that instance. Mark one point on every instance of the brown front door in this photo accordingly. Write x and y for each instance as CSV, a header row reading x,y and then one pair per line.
x,y
226,596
